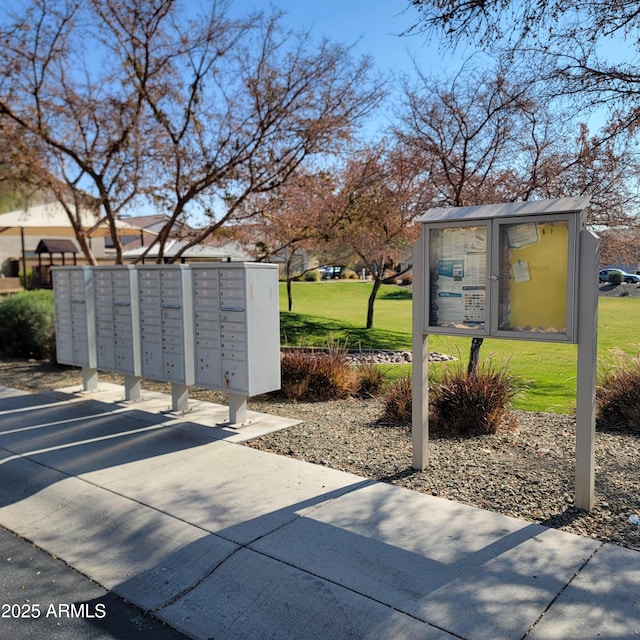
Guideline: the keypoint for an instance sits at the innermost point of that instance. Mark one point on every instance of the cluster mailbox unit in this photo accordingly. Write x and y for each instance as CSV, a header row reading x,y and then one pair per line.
x,y
166,333
117,319
235,322
211,324
522,271
75,321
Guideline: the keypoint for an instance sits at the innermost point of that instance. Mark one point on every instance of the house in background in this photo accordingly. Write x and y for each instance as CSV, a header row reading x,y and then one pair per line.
x,y
34,239
22,230
219,247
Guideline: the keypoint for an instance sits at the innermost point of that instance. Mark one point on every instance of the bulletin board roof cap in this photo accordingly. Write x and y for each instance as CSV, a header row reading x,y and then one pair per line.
x,y
507,209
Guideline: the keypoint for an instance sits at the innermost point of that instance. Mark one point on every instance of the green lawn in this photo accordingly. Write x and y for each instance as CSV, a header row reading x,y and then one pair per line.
x,y
335,313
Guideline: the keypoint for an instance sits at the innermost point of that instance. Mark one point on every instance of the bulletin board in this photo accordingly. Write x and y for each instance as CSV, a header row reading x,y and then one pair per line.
x,y
534,277
458,277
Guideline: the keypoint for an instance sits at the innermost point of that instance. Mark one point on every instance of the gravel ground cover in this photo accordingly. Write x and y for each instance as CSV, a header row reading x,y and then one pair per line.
x,y
527,473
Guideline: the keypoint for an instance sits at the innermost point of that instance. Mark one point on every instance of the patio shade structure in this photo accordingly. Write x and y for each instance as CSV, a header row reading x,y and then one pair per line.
x,y
53,247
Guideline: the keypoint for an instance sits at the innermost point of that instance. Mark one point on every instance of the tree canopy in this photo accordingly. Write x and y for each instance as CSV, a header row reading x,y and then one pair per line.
x,y
153,102
586,50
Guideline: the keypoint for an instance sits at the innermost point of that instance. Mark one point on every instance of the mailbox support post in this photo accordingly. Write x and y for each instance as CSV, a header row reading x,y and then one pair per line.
x,y
179,397
237,409
89,379
132,387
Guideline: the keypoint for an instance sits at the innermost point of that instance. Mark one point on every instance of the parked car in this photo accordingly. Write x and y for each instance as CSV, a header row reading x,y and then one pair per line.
x,y
330,272
629,278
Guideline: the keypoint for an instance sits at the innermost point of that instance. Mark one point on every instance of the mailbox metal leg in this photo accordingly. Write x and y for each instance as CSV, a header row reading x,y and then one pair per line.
x,y
89,379
179,397
132,387
237,409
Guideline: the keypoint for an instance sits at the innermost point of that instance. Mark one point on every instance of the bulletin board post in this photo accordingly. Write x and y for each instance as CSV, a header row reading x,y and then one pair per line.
x,y
586,382
520,271
420,366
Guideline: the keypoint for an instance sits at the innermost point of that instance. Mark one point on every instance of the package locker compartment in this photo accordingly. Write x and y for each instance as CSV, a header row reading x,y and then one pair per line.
x,y
106,353
125,362
234,375
151,364
208,371
64,347
173,366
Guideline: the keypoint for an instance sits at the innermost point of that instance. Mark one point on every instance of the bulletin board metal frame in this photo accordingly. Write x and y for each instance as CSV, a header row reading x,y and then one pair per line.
x,y
525,285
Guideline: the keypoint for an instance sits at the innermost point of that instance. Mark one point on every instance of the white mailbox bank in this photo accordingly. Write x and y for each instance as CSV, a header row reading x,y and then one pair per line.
x,y
117,324
75,321
237,330
523,271
211,324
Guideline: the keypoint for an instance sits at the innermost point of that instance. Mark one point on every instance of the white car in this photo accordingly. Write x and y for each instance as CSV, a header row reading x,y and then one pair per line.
x,y
629,278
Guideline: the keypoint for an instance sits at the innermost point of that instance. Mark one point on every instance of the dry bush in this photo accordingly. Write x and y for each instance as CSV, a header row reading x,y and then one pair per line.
x,y
472,404
618,393
397,401
371,380
317,376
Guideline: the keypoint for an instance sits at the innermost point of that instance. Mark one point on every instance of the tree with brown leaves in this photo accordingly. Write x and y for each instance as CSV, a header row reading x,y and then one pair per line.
x,y
136,101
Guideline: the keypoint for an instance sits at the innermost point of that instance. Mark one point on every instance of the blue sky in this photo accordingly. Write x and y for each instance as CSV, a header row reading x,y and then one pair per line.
x,y
374,24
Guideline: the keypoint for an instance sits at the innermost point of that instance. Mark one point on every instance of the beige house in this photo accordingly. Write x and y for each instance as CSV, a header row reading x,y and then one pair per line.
x,y
21,232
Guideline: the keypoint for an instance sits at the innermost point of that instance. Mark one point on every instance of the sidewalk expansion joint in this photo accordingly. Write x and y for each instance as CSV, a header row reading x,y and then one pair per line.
x,y
566,586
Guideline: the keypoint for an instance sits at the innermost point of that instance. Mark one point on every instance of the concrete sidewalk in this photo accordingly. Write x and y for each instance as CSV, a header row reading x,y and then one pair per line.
x,y
227,542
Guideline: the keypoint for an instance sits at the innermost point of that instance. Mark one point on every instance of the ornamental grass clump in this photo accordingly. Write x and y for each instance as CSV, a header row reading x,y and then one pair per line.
x,y
371,380
317,376
397,402
476,403
618,392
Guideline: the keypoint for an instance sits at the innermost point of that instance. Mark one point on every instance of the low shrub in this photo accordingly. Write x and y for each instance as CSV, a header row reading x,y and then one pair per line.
x,y
615,278
371,380
397,401
312,276
405,279
349,274
27,325
472,404
459,404
618,392
317,376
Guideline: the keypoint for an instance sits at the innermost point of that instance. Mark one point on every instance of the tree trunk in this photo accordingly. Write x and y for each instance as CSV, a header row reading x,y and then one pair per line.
x,y
289,287
474,356
372,298
85,247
